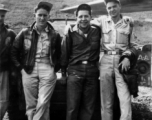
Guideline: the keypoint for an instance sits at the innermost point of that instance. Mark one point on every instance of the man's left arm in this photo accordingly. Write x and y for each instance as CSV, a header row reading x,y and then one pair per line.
x,y
13,70
132,45
58,52
129,57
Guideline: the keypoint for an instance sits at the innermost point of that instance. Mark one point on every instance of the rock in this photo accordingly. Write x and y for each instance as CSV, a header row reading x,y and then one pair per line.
x,y
142,105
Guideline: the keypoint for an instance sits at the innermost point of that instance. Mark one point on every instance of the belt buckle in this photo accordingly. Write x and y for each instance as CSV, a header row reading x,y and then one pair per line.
x,y
84,62
109,52
113,52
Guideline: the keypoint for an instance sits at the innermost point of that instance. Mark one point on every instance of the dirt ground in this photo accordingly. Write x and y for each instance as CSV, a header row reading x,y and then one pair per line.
x,y
141,105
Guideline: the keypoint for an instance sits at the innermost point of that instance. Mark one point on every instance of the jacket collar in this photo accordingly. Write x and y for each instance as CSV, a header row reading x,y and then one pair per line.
x,y
35,28
75,28
109,20
3,27
49,26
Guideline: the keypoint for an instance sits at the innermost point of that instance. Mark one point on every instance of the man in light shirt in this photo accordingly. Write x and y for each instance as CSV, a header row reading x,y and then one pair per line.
x,y
115,43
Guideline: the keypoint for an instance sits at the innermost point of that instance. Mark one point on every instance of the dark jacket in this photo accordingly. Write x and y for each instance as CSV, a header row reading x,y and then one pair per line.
x,y
24,48
76,47
7,37
131,76
132,55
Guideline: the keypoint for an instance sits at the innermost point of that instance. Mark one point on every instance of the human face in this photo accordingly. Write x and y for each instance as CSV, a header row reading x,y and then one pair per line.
x,y
83,18
113,9
2,17
41,16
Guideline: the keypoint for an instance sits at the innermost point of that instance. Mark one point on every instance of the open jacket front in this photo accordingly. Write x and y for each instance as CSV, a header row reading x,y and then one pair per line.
x,y
25,46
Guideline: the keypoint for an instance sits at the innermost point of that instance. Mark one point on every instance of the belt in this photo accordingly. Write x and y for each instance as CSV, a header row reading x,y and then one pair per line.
x,y
86,62
42,60
113,52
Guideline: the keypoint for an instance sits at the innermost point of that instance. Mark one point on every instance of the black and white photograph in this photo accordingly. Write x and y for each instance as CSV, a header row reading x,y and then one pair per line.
x,y
75,59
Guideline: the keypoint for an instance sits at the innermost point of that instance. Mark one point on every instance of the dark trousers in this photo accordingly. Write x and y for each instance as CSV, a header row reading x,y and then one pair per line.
x,y
16,109
82,86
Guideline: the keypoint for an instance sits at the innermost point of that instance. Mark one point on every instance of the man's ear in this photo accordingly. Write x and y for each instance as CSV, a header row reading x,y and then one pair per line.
x,y
106,9
75,12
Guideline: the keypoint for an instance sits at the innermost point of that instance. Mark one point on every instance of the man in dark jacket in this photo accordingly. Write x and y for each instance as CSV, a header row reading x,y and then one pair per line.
x,y
36,53
7,37
80,54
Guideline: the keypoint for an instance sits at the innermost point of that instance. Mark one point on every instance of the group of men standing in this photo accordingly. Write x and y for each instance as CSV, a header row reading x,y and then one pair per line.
x,y
89,50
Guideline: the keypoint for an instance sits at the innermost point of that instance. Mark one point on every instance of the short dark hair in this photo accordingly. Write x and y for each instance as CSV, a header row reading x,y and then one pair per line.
x,y
43,7
116,1
83,7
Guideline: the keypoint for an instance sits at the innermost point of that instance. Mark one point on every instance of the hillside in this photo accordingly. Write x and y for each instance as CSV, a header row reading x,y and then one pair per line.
x,y
21,11
22,14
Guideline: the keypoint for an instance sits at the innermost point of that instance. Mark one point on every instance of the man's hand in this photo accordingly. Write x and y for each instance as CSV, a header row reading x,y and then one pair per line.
x,y
63,80
125,64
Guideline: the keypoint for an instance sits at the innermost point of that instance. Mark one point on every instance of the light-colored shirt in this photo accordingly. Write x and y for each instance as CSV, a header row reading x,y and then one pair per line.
x,y
115,36
43,45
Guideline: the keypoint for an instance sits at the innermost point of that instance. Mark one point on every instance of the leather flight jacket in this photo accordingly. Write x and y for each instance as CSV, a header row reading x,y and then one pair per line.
x,y
24,48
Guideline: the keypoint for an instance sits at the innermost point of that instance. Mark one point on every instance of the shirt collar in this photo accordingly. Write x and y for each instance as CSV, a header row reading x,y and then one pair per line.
x,y
46,29
75,28
110,20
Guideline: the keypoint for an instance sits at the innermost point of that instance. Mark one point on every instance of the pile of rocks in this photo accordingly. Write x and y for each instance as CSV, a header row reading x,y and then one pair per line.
x,y
142,105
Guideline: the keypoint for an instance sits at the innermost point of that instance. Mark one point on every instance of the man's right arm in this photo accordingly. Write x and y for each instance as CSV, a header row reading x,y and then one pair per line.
x,y
64,54
96,22
16,50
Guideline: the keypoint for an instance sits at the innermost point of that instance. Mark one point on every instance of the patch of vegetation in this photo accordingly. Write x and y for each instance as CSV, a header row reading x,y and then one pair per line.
x,y
21,11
